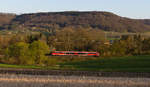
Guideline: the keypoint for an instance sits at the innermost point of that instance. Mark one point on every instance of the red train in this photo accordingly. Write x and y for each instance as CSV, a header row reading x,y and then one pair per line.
x,y
74,53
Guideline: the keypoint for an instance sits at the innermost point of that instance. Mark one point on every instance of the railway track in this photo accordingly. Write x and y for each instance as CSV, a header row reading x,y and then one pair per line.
x,y
73,73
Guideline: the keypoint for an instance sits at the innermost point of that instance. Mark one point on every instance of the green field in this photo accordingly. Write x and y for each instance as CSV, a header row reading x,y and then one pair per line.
x,y
127,64
113,64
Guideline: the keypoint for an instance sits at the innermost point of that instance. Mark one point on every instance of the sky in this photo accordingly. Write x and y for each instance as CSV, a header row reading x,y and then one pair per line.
x,y
138,9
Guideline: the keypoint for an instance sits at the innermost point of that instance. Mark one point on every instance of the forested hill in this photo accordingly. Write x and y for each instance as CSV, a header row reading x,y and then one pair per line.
x,y
146,21
57,20
5,19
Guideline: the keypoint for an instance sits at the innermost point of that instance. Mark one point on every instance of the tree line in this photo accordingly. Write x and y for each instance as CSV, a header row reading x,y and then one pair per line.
x,y
32,49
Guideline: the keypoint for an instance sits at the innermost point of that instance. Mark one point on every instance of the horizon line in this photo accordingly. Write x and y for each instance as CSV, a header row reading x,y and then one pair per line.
x,y
15,13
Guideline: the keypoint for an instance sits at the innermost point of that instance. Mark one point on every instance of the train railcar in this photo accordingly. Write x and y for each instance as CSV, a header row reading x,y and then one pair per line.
x,y
74,53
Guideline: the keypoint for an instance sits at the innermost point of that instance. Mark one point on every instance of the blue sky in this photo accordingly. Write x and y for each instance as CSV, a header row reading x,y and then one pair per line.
x,y
125,8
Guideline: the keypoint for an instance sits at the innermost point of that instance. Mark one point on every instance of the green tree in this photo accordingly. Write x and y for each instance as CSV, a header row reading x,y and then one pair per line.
x,y
19,53
38,50
118,48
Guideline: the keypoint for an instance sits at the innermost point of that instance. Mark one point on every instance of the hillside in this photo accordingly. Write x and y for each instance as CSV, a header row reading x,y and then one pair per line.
x,y
57,20
5,19
146,21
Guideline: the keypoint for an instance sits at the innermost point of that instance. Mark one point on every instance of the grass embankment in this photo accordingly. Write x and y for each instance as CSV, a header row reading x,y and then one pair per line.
x,y
112,64
19,66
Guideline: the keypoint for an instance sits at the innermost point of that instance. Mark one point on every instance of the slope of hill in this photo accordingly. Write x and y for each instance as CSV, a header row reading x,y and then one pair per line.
x,y
57,20
5,19
146,21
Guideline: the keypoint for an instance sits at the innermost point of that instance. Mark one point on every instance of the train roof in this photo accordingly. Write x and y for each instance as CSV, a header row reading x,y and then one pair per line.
x,y
74,52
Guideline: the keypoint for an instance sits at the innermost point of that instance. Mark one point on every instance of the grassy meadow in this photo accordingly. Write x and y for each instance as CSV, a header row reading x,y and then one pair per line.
x,y
110,64
126,64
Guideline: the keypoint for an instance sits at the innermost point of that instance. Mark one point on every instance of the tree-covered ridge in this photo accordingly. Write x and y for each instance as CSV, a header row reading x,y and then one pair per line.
x,y
5,20
57,20
146,21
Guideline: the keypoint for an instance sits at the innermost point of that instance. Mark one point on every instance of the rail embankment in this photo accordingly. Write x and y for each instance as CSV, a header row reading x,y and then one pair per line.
x,y
73,73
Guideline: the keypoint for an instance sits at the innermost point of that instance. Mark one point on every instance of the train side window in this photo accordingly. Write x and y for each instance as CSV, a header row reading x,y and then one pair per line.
x,y
81,53
92,53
